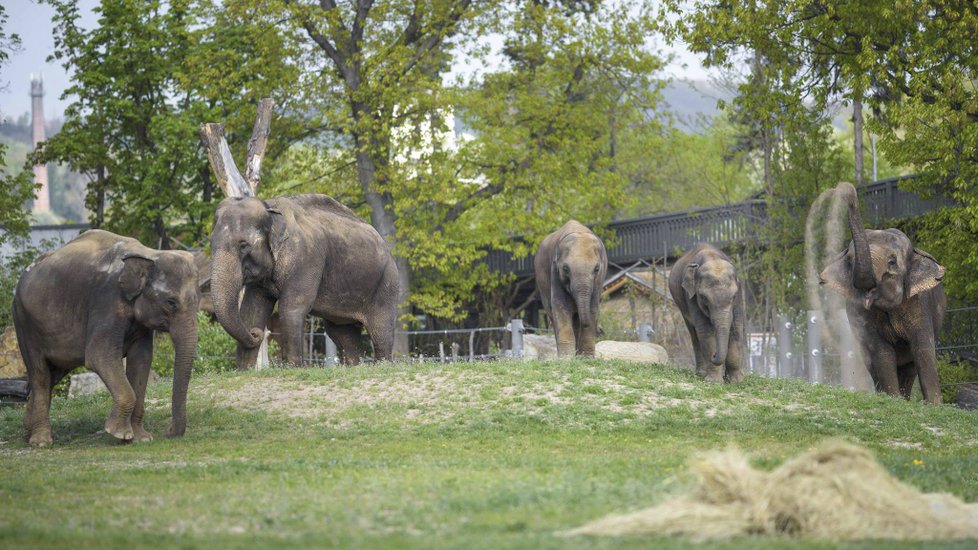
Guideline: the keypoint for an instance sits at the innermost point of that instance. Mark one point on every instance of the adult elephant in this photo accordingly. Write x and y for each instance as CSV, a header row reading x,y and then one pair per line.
x,y
570,267
703,283
93,302
310,254
895,303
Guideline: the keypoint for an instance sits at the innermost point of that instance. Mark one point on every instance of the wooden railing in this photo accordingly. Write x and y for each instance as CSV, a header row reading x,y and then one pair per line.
x,y
669,235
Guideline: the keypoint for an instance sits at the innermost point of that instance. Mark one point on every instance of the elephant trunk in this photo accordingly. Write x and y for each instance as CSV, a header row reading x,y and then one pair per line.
x,y
862,266
721,325
184,336
226,283
583,298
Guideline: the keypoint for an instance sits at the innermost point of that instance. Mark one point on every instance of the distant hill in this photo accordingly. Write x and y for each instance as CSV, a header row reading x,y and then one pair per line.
x,y
693,102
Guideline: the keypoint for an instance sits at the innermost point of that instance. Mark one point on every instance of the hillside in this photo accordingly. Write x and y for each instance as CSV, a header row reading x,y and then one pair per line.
x,y
485,455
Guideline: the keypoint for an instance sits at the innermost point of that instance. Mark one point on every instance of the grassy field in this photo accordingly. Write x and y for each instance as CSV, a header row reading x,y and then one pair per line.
x,y
497,455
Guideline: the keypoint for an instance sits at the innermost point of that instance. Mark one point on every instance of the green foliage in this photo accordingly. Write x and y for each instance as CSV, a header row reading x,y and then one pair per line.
x,y
16,186
215,349
474,455
10,270
952,375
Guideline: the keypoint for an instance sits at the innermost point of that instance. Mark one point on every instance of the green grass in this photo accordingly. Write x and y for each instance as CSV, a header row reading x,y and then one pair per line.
x,y
502,455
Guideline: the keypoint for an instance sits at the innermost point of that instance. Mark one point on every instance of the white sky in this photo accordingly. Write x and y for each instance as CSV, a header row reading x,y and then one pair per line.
x,y
32,21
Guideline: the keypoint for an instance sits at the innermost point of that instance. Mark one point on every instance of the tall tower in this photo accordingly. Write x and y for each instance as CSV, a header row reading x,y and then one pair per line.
x,y
42,202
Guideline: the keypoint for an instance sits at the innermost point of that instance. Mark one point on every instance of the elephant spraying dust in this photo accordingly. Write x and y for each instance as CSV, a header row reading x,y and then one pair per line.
x,y
704,285
570,268
311,255
94,302
895,302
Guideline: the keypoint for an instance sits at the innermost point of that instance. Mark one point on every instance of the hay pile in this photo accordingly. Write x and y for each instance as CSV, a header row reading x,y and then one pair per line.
x,y
837,492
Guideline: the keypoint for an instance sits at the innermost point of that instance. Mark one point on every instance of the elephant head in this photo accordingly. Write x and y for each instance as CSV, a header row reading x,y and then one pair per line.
x,y
245,241
880,268
580,262
713,288
162,289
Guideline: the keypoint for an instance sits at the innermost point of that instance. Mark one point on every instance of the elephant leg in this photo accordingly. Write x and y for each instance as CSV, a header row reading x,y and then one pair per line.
x,y
381,327
106,361
37,414
292,314
907,375
139,359
925,358
884,370
735,360
700,361
585,338
256,309
347,340
563,321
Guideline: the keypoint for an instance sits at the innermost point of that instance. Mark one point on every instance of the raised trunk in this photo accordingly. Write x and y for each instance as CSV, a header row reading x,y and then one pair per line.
x,y
184,336
862,266
226,283
721,325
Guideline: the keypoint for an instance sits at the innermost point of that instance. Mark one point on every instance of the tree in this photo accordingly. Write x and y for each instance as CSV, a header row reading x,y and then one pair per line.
x,y
144,79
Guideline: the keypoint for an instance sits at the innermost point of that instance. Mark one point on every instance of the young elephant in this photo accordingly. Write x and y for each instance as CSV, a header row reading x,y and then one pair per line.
x,y
94,302
570,267
895,303
704,285
310,254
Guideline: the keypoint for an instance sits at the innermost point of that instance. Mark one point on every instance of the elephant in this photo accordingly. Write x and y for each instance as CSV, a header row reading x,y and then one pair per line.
x,y
309,254
570,267
895,303
703,283
93,302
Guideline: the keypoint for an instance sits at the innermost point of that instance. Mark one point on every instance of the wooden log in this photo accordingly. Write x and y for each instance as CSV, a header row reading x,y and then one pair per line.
x,y
967,397
257,143
219,154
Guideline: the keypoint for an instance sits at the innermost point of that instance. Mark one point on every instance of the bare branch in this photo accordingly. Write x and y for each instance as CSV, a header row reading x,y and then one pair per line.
x,y
257,143
219,155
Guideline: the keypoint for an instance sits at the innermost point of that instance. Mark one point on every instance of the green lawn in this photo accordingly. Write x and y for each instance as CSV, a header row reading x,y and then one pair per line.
x,y
494,455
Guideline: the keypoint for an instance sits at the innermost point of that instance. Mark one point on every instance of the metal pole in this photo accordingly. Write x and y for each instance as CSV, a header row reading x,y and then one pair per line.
x,y
814,339
330,351
441,351
785,357
455,352
516,327
472,346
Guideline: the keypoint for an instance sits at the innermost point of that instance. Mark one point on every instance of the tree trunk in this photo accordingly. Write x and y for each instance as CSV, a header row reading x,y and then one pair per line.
x,y
857,143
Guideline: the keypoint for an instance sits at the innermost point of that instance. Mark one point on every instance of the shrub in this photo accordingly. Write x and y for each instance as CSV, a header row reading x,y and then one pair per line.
x,y
952,375
215,349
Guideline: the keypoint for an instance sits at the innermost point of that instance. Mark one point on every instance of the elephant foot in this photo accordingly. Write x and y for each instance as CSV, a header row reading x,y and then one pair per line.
x,y
139,434
41,438
120,428
175,431
714,378
735,376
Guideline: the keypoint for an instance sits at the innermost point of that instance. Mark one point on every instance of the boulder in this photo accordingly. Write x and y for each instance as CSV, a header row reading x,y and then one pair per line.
x,y
539,346
11,363
86,383
640,352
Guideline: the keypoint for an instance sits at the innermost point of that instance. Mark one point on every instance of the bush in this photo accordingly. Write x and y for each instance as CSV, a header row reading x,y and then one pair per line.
x,y
215,349
952,375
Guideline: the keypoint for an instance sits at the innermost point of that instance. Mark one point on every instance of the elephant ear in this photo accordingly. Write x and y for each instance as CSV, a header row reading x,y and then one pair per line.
x,y
838,275
924,274
689,280
278,233
135,274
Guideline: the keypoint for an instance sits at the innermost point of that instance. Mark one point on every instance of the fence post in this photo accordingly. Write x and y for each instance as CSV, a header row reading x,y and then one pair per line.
x,y
645,332
441,352
455,347
330,351
785,357
516,328
814,339
472,346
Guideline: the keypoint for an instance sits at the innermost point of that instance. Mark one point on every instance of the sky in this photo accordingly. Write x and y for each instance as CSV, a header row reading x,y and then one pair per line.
x,y
32,21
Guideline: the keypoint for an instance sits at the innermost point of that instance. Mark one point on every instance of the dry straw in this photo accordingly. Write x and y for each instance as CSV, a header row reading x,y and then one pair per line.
x,y
837,492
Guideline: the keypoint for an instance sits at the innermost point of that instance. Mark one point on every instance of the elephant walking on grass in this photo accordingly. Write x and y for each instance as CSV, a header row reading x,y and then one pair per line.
x,y
309,254
895,302
704,285
570,267
93,302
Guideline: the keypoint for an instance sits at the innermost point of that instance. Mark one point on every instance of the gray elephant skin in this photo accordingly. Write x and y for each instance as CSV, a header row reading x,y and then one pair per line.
x,y
570,268
895,302
311,255
93,302
704,285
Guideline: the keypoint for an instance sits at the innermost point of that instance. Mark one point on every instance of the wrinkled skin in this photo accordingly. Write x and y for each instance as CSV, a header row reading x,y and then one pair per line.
x,y
93,302
704,285
310,255
895,302
570,268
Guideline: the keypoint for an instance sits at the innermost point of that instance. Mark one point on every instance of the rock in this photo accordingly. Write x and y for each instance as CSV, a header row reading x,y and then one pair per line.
x,y
640,352
539,346
11,363
86,383
967,396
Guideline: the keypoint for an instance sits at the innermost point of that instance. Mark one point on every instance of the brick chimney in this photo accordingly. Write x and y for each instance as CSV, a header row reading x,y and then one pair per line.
x,y
42,202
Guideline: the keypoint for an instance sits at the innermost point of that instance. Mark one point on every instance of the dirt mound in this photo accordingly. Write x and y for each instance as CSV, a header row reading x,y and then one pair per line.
x,y
837,492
